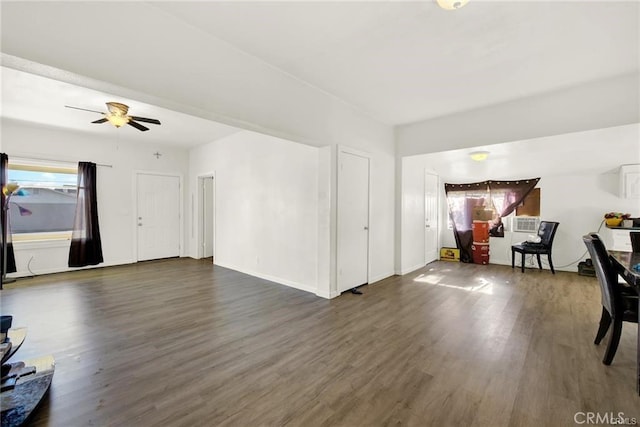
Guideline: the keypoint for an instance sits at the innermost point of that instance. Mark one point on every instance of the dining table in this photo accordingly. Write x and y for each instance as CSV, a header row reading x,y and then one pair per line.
x,y
627,265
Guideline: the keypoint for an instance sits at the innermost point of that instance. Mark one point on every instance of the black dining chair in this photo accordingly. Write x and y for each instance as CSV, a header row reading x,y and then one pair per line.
x,y
619,303
635,241
546,232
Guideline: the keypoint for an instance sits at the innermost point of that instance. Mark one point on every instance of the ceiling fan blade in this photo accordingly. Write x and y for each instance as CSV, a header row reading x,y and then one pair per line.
x,y
145,120
137,125
100,120
84,109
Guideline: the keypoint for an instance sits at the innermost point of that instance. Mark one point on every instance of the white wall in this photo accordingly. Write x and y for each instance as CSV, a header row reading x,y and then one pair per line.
x,y
266,206
274,201
602,104
115,186
275,209
382,216
412,215
381,213
579,183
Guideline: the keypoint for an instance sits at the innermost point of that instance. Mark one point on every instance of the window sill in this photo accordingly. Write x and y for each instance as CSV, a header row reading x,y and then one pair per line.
x,y
48,243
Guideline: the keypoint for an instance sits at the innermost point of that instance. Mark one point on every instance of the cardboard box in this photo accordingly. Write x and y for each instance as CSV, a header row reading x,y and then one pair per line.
x,y
480,213
450,254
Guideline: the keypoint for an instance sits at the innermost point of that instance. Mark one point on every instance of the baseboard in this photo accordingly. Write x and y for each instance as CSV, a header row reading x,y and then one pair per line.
x,y
328,295
22,274
380,277
572,268
270,278
411,269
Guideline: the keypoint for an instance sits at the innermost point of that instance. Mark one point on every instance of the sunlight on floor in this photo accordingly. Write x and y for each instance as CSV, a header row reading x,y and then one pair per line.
x,y
479,284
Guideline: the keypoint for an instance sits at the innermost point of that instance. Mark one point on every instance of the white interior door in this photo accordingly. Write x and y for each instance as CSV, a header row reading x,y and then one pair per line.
x,y
158,216
353,221
207,217
431,205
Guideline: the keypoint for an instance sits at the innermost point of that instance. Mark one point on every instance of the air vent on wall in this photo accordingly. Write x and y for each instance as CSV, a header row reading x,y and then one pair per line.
x,y
526,224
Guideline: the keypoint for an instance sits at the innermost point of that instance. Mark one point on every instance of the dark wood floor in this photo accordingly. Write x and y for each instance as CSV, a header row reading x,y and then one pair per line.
x,y
182,343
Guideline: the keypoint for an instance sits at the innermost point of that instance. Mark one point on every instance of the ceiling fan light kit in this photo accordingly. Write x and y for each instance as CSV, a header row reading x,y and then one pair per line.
x,y
116,120
452,4
118,116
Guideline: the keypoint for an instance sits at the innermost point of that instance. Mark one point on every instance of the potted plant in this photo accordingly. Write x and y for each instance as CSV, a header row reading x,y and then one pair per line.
x,y
613,219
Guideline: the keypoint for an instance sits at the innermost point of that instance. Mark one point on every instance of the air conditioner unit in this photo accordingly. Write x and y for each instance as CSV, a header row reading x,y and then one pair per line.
x,y
526,224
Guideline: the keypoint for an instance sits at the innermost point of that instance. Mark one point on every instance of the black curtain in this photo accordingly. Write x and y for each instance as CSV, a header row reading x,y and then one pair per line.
x,y
86,246
4,219
500,198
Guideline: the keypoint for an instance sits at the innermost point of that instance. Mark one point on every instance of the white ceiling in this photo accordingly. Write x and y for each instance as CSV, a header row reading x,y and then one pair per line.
x,y
398,62
408,61
572,154
32,98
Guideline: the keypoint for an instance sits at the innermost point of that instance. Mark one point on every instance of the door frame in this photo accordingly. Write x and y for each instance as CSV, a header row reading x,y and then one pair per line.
x,y
197,223
437,213
347,150
180,201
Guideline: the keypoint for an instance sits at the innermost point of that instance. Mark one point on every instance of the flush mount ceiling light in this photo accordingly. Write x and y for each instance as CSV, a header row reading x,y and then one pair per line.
x,y
479,156
452,4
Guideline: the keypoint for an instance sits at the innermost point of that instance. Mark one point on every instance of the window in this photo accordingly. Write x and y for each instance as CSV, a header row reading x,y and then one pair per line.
x,y
530,205
44,206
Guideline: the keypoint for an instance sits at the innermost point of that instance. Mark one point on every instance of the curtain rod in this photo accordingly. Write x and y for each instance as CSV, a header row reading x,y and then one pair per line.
x,y
28,157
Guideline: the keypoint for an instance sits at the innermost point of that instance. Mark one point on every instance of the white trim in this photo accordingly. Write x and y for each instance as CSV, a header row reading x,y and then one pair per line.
x,y
274,279
373,280
411,269
197,212
355,152
328,295
41,244
437,212
27,273
347,150
181,250
43,162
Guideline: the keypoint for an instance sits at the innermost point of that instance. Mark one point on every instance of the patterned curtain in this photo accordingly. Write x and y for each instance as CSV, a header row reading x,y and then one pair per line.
x,y
494,198
86,245
4,219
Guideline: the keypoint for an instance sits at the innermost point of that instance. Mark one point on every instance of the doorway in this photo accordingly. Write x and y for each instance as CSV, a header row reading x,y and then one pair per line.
x,y
206,232
431,209
353,220
158,201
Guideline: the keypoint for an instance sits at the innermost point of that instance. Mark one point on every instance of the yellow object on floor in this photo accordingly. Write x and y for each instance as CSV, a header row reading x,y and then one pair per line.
x,y
450,254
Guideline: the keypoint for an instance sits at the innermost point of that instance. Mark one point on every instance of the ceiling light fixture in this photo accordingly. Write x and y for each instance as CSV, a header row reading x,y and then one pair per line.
x,y
479,156
116,119
452,4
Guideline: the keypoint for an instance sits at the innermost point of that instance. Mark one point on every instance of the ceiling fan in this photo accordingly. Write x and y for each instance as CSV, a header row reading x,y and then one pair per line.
x,y
117,116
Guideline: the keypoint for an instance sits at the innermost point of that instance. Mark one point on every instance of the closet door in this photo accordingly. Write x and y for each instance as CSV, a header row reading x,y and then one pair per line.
x,y
353,221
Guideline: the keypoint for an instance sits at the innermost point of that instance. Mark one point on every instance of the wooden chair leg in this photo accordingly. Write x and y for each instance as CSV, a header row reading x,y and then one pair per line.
x,y
551,264
539,262
605,322
614,340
